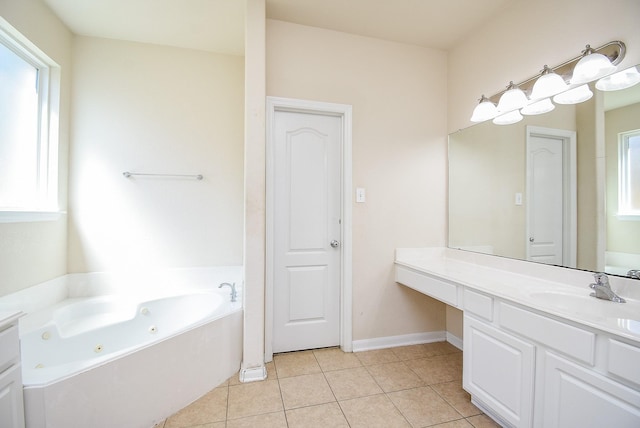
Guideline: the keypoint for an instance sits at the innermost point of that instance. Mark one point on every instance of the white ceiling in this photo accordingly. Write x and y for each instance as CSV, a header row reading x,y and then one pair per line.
x,y
430,23
210,25
218,25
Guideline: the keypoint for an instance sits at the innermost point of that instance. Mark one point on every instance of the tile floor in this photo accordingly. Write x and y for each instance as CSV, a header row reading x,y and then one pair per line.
x,y
409,386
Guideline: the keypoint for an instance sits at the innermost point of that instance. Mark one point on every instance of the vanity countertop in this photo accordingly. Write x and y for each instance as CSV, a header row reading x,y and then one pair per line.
x,y
9,317
556,291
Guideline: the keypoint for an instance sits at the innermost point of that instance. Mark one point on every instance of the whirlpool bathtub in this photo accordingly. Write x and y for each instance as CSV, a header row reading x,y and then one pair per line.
x,y
123,360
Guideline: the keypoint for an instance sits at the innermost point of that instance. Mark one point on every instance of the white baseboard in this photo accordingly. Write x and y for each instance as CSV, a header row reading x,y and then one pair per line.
x,y
454,340
394,341
253,374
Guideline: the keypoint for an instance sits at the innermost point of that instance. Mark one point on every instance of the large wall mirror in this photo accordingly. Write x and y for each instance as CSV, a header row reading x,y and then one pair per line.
x,y
546,189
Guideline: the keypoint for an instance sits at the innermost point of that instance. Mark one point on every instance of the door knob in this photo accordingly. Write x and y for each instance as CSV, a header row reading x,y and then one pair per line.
x,y
531,239
334,244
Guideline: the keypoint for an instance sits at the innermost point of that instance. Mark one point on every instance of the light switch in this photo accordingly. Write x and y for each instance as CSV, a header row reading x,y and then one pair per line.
x,y
361,195
518,198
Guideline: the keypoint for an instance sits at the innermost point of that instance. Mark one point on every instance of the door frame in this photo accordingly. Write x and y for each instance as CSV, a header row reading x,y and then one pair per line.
x,y
569,187
343,111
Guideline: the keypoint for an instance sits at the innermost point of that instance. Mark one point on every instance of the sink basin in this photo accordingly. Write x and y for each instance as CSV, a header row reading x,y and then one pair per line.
x,y
586,305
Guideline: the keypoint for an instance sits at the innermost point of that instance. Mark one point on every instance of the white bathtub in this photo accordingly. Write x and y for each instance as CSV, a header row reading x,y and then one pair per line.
x,y
128,360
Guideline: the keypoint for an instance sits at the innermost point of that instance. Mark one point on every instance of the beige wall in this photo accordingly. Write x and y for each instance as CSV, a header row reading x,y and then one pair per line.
x,y
31,253
399,156
153,109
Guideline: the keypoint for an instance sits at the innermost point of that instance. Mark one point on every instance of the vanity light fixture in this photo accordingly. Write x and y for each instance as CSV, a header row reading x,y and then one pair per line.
x,y
512,100
591,66
508,118
574,96
548,84
539,107
485,110
566,83
621,80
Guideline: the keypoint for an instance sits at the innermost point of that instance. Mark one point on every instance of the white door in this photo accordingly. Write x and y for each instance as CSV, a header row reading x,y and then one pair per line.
x,y
306,237
545,199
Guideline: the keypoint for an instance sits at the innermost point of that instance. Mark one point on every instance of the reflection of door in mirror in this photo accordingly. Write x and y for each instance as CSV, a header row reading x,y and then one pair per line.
x,y
551,196
622,116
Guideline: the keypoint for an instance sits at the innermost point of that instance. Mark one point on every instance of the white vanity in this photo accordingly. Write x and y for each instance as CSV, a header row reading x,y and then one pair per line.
x,y
11,401
538,350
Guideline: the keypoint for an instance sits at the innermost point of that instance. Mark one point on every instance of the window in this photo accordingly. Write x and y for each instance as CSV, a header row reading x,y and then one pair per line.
x,y
629,174
29,94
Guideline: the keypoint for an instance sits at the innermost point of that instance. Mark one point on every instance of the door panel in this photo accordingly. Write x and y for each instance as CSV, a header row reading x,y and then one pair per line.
x,y
307,152
307,293
307,202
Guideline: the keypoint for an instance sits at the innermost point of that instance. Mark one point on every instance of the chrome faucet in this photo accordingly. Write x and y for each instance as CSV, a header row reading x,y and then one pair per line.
x,y
234,293
603,289
634,273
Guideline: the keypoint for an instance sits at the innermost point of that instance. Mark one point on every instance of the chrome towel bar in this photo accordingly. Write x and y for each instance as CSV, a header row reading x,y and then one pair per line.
x,y
128,174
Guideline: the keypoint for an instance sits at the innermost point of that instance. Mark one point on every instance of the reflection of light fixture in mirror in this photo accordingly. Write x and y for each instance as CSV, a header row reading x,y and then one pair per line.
x,y
539,107
548,85
485,110
592,66
574,96
512,99
508,118
621,80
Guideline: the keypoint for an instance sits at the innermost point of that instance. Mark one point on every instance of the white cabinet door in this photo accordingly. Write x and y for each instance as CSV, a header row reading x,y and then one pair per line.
x,y
577,397
11,403
498,371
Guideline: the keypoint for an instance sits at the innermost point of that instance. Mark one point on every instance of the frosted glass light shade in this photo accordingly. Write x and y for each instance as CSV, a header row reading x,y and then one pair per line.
x,y
592,66
574,96
512,99
548,85
508,118
485,110
539,107
621,80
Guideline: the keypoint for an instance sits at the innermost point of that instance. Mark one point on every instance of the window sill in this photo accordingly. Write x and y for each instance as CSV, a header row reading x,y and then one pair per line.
x,y
628,217
29,216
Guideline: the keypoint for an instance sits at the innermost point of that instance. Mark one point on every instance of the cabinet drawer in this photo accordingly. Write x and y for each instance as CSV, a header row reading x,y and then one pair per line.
x,y
9,347
624,361
478,304
438,289
572,341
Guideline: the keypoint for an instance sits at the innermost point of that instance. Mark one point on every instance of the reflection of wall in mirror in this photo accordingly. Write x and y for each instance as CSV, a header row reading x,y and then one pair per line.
x,y
623,236
590,198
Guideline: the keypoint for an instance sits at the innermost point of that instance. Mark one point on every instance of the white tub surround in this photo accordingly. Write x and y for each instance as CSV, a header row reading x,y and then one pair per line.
x,y
106,350
538,350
